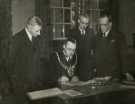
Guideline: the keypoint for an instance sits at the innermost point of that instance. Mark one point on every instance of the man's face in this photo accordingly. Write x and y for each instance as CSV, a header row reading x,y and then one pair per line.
x,y
35,30
83,22
105,25
69,49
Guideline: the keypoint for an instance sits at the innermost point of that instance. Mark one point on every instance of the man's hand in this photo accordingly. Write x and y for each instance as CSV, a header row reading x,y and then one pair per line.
x,y
129,77
75,79
63,79
107,78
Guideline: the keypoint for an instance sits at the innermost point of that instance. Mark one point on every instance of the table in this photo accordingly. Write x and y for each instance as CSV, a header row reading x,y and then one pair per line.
x,y
111,93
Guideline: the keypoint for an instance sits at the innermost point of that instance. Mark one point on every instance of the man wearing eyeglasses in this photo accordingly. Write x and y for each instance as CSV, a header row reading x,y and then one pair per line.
x,y
110,49
85,38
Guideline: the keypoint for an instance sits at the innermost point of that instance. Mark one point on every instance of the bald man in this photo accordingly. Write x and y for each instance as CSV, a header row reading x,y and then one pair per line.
x,y
24,58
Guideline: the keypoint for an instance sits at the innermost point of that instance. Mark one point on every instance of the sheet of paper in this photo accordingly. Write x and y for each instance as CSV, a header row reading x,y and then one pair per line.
x,y
72,93
79,83
129,82
128,86
35,95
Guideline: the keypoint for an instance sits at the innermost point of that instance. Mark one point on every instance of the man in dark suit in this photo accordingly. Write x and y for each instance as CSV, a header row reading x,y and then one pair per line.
x,y
24,58
110,50
85,38
64,63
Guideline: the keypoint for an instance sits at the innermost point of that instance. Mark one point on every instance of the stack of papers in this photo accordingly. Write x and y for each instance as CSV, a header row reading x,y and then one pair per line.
x,y
35,95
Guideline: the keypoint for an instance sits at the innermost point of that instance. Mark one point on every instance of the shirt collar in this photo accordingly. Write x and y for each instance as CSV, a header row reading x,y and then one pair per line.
x,y
106,33
28,34
67,58
82,30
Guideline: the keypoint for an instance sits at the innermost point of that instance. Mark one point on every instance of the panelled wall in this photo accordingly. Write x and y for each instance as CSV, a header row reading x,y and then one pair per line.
x,y
20,11
42,9
127,19
5,19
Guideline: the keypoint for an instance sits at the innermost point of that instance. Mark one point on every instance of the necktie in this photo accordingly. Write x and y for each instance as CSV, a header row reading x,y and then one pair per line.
x,y
82,31
33,39
103,34
67,58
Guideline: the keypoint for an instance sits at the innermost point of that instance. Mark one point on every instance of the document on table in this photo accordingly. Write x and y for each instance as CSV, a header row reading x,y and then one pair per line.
x,y
35,95
128,86
72,93
129,82
79,83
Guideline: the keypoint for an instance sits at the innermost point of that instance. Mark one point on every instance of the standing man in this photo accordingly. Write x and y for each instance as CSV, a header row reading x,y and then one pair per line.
x,y
110,49
85,38
24,58
64,63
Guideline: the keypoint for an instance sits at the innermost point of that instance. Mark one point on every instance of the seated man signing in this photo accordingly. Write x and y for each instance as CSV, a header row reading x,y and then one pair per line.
x,y
64,63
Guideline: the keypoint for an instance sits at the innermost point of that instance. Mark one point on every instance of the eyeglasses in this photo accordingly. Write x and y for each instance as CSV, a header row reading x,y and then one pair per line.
x,y
84,23
71,49
103,24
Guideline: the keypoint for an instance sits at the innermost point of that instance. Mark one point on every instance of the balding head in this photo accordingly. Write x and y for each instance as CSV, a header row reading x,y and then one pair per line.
x,y
34,25
83,21
34,20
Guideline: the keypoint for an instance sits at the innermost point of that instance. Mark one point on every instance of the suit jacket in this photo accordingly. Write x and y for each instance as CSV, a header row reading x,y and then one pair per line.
x,y
85,51
57,61
24,64
4,77
109,54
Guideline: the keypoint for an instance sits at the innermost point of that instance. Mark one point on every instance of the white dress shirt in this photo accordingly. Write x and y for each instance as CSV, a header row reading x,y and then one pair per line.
x,y
28,34
106,33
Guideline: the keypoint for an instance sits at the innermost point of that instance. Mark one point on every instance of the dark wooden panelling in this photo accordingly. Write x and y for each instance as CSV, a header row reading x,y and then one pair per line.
x,y
42,9
5,18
